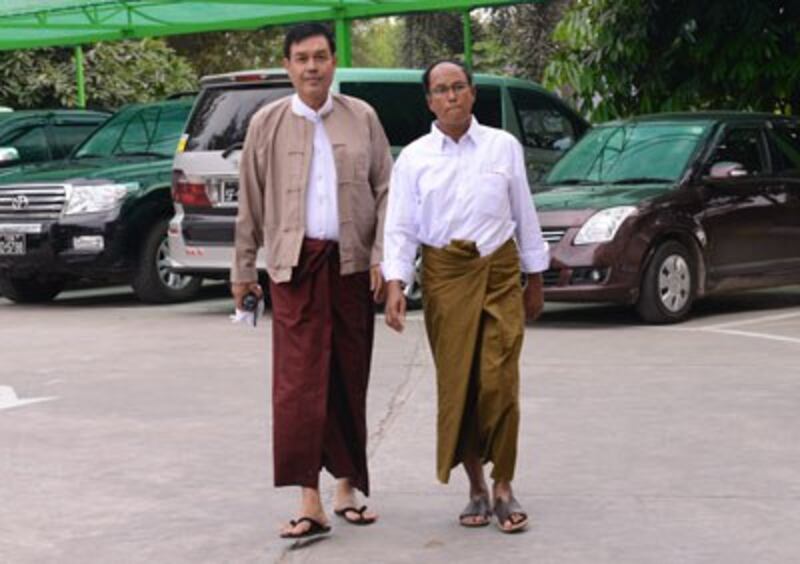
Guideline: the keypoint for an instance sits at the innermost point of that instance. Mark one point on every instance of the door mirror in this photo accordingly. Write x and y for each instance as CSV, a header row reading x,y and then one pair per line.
x,y
727,169
8,155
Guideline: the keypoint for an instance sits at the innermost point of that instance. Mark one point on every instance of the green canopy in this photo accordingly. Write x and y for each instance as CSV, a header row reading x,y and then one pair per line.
x,y
25,24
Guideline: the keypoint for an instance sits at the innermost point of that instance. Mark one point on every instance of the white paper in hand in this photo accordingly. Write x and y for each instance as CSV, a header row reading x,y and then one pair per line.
x,y
248,318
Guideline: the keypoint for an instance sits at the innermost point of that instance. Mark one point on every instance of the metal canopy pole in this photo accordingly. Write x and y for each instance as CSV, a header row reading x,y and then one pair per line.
x,y
343,46
467,22
79,76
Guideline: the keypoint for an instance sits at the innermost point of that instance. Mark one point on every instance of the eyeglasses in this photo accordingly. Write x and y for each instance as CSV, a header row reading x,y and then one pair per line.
x,y
456,87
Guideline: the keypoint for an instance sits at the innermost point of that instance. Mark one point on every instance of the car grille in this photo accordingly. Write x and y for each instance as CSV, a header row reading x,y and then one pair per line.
x,y
32,201
553,236
551,277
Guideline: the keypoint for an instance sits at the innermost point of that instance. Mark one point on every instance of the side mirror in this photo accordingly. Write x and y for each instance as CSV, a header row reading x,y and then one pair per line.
x,y
727,169
563,144
8,155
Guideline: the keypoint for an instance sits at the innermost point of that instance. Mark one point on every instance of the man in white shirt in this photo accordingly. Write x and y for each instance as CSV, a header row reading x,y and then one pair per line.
x,y
461,193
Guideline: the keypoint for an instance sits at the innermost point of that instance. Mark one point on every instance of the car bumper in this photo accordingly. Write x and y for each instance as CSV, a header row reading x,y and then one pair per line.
x,y
85,247
203,247
606,272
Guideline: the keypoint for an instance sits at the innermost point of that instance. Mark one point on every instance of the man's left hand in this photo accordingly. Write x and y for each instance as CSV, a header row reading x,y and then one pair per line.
x,y
376,284
533,296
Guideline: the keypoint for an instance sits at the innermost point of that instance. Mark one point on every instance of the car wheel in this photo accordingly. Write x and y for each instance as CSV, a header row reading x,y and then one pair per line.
x,y
668,285
31,289
153,281
413,291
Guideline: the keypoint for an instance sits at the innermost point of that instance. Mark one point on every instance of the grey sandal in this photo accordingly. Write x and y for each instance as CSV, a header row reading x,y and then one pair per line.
x,y
477,507
507,511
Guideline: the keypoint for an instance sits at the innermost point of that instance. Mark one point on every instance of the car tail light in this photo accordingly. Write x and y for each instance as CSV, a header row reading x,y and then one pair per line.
x,y
189,191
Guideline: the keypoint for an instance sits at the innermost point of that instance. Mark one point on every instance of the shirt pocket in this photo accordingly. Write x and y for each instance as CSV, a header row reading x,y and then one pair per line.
x,y
490,191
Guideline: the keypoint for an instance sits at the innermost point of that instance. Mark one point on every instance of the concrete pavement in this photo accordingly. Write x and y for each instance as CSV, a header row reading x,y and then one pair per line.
x,y
638,444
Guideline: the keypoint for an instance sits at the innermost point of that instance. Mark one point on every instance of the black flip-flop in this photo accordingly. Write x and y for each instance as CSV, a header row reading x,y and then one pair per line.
x,y
477,507
315,529
361,520
504,511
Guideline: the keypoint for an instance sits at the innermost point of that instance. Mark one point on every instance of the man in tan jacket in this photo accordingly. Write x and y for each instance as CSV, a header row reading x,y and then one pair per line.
x,y
314,177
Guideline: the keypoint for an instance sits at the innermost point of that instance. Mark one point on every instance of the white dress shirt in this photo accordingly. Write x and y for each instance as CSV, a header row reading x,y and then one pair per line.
x,y
474,190
322,213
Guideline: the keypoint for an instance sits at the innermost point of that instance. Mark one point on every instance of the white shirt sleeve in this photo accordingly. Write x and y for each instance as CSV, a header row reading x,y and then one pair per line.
x,y
533,249
400,235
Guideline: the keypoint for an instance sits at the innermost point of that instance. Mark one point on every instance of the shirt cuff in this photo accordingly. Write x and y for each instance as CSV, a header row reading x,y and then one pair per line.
x,y
393,270
535,261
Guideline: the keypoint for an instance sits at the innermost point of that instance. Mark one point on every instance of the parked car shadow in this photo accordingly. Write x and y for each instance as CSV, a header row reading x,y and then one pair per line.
x,y
599,316
122,296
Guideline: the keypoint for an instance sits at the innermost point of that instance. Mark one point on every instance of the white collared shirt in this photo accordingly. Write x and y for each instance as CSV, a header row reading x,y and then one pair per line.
x,y
322,213
475,190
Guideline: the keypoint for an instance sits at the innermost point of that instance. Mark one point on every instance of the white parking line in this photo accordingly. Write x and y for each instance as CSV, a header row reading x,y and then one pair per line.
x,y
755,335
9,399
750,321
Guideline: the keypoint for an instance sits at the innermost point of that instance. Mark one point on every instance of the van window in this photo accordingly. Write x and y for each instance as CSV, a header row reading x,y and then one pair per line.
x,y
403,110
222,114
31,143
67,136
543,123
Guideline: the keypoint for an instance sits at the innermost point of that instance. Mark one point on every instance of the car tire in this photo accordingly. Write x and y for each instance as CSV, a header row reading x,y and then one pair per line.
x,y
31,289
668,285
153,282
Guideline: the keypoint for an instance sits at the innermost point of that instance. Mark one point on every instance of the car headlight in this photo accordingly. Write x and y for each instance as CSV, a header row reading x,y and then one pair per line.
x,y
603,226
94,198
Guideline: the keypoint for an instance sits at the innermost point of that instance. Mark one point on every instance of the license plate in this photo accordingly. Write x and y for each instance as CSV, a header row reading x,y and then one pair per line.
x,y
230,192
12,244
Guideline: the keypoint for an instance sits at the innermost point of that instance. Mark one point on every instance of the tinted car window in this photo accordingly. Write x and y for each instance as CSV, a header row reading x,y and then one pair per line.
x,y
741,145
67,136
138,130
31,143
404,112
785,142
543,124
222,115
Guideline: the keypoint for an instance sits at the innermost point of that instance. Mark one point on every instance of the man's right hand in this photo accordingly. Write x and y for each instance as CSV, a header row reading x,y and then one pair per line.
x,y
395,308
241,289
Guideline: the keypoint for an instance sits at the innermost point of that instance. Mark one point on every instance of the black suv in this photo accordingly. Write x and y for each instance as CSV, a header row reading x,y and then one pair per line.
x,y
102,214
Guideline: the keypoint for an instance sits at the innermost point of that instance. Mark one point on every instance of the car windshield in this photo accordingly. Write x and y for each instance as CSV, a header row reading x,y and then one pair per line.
x,y
138,131
630,153
222,114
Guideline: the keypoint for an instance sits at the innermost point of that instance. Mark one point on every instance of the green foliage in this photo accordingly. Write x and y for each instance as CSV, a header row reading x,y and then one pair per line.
x,y
377,42
522,38
431,36
228,51
623,57
116,74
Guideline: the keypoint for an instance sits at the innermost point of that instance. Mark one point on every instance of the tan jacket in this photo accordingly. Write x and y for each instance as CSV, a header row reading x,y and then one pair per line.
x,y
273,176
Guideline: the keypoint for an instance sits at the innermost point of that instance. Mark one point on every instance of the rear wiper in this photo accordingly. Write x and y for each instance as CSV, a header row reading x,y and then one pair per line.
x,y
231,148
141,154
642,180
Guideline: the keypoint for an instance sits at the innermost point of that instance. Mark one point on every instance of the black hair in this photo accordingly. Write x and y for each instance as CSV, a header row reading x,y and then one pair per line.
x,y
299,32
426,76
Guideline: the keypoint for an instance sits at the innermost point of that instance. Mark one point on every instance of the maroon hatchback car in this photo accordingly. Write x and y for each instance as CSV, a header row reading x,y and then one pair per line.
x,y
660,210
